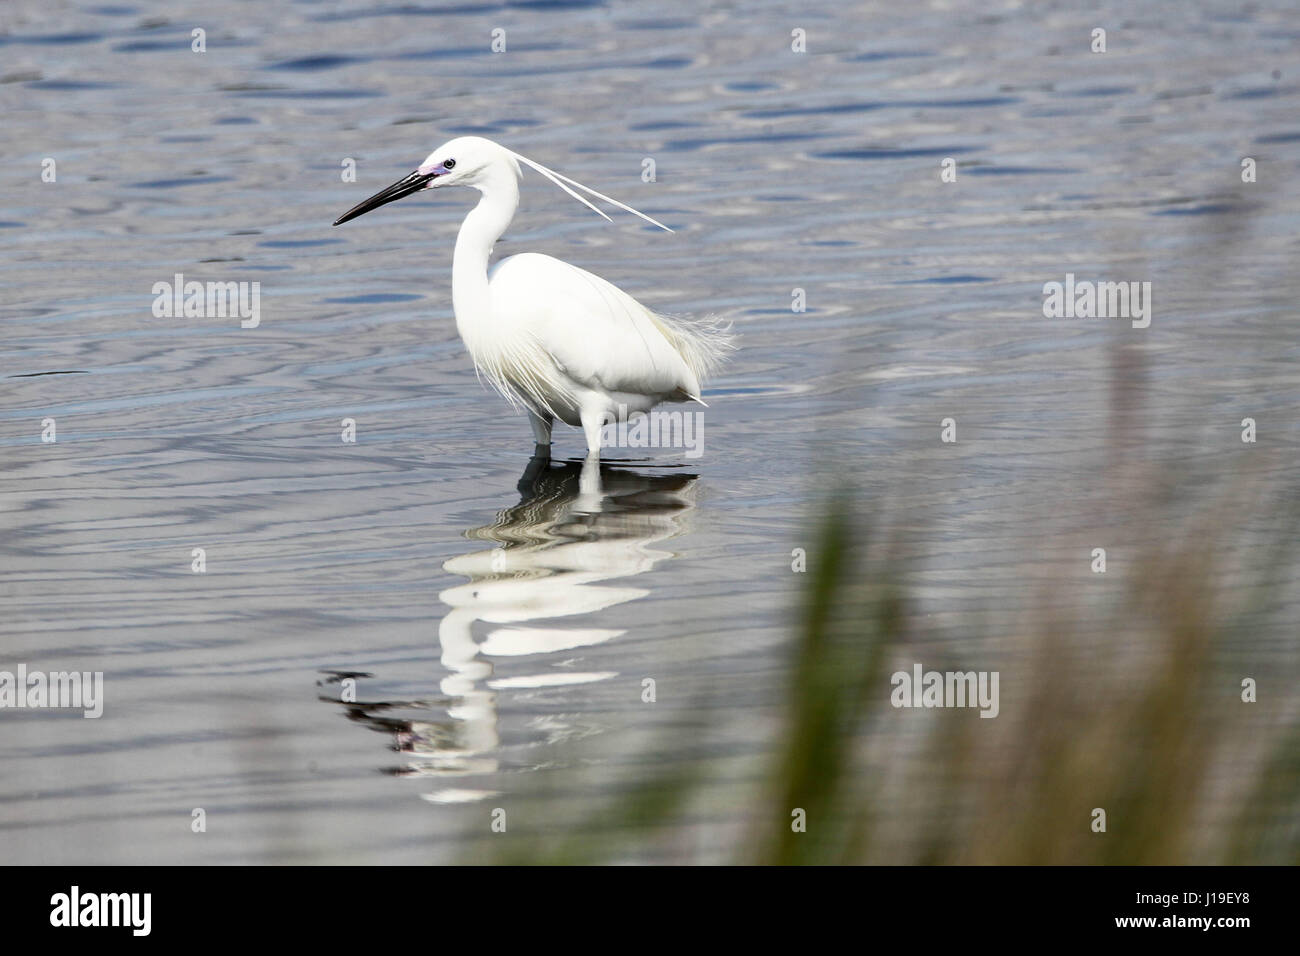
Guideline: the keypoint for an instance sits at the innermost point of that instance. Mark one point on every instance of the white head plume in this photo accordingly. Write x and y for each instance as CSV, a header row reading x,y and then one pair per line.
x,y
564,182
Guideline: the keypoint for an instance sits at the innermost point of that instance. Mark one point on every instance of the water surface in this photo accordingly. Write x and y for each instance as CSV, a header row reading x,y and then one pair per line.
x,y
497,627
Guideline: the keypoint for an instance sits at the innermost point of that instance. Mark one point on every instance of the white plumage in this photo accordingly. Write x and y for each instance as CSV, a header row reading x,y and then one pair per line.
x,y
555,339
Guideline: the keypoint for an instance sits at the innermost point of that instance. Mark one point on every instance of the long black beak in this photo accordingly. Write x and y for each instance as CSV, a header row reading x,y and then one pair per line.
x,y
403,187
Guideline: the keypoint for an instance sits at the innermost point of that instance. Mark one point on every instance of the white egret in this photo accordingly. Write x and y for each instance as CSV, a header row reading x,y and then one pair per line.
x,y
555,339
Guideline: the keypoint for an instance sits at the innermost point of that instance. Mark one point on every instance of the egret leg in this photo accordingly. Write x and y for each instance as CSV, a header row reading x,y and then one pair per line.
x,y
592,421
541,431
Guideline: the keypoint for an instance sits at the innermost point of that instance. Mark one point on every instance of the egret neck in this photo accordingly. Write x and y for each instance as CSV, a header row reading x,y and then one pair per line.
x,y
485,224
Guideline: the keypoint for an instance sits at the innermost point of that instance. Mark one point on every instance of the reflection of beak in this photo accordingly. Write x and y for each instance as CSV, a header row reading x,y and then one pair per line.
x,y
403,187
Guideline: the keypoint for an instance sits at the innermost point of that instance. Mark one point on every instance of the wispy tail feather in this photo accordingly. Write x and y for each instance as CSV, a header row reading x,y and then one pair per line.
x,y
703,343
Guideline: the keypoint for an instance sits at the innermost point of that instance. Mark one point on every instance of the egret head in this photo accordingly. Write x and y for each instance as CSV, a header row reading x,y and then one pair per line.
x,y
463,161
483,164
467,161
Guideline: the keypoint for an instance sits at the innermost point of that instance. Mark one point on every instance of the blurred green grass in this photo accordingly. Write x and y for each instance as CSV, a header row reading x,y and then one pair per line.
x,y
1139,713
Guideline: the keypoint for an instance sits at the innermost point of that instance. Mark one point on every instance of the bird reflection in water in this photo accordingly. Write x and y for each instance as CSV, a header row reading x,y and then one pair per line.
x,y
576,527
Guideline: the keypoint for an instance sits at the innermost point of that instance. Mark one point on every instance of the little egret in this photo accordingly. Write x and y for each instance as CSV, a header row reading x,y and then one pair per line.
x,y
555,339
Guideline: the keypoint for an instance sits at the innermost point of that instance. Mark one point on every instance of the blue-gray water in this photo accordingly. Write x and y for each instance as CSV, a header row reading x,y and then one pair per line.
x,y
780,171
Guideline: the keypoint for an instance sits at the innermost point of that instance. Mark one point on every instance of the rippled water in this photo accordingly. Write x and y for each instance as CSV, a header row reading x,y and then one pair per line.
x,y
488,614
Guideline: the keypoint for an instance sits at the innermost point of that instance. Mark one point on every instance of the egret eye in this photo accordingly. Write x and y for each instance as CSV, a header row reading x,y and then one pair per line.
x,y
449,164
